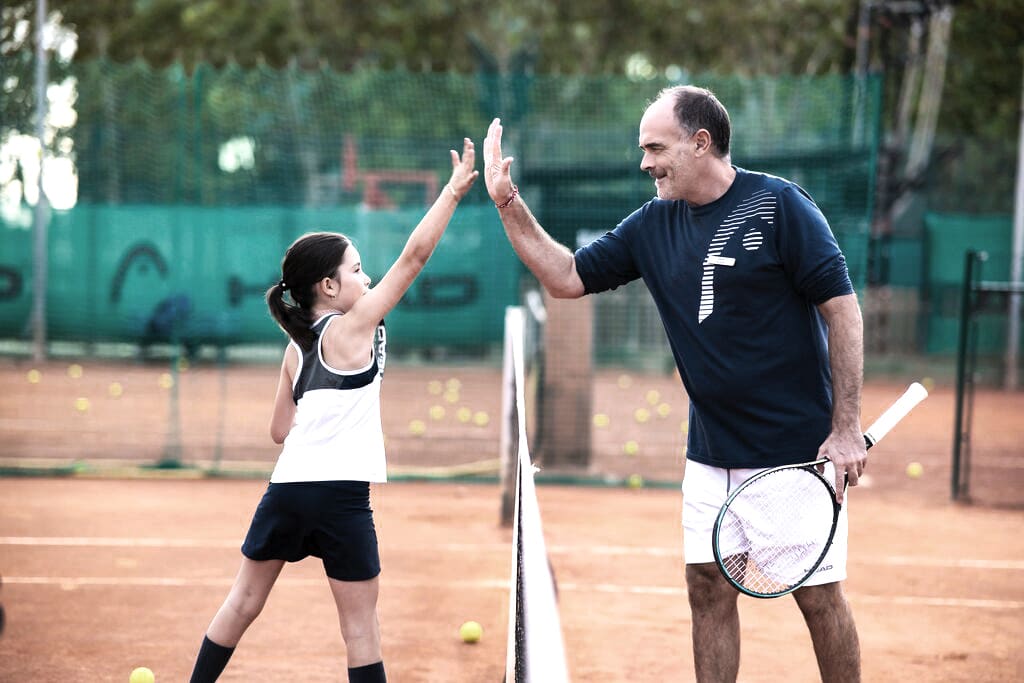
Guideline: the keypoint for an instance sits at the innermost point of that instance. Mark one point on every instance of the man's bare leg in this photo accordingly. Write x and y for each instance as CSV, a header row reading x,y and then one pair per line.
x,y
833,631
716,624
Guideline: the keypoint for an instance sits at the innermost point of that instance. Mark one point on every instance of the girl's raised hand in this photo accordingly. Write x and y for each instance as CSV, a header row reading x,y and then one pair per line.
x,y
463,173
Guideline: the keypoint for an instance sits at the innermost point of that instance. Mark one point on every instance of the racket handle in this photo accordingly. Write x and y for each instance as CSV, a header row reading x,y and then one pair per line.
x,y
894,413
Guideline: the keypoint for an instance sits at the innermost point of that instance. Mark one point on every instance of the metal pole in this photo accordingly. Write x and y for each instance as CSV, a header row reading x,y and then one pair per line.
x,y
1012,380
862,60
966,303
39,256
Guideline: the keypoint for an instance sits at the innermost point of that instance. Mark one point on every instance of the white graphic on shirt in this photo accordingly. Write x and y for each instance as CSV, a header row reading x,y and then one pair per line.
x,y
761,205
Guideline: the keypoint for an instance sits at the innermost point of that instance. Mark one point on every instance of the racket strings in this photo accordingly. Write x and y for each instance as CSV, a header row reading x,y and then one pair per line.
x,y
776,530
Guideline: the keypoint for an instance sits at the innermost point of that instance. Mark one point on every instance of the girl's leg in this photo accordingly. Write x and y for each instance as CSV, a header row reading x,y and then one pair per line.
x,y
243,604
357,614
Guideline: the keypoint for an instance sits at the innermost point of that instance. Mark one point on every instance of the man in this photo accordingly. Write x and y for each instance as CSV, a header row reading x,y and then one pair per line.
x,y
765,328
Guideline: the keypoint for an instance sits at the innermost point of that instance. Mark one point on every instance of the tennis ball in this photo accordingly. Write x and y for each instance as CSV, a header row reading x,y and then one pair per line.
x,y
141,675
453,384
624,381
34,376
664,409
417,427
601,420
81,404
631,448
115,389
481,418
464,414
914,470
435,387
74,371
471,632
436,412
928,383
634,481
452,395
641,415
166,381
653,396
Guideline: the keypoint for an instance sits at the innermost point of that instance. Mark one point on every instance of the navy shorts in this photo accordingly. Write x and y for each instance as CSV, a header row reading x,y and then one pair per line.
x,y
331,520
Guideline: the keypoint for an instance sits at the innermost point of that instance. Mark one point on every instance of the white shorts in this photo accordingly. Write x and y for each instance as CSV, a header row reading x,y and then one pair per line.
x,y
705,489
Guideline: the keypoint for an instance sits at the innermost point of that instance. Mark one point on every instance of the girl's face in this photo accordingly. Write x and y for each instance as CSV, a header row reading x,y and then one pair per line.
x,y
353,282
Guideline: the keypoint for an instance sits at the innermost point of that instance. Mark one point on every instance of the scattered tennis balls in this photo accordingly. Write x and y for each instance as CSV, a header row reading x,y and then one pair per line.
x,y
81,404
481,418
115,390
435,387
684,426
641,415
624,381
631,448
634,481
141,675
471,632
914,470
417,427
452,395
34,376
166,381
601,420
664,409
928,383
74,371
453,384
464,414
653,396
437,412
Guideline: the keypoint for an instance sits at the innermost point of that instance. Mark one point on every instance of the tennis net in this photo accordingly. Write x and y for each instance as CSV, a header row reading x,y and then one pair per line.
x,y
536,651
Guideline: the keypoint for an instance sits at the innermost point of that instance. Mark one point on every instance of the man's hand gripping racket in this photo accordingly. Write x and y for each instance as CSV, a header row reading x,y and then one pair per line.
x,y
775,529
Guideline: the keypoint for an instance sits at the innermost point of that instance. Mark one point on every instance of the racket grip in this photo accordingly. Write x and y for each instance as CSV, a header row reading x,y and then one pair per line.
x,y
894,413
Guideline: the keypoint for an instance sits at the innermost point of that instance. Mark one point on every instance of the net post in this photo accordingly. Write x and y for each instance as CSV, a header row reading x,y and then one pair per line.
x,y
960,431
508,440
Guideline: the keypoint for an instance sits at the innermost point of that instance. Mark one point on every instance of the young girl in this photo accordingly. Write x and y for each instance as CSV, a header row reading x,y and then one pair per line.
x,y
327,415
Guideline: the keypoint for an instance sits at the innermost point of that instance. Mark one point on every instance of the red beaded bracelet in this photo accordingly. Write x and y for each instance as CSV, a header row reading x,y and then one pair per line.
x,y
511,198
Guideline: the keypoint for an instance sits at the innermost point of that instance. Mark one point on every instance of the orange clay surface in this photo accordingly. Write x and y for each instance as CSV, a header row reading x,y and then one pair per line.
x,y
114,567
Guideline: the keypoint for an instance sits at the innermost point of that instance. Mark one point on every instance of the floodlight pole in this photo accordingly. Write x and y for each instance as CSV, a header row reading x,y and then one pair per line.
x,y
39,251
1012,380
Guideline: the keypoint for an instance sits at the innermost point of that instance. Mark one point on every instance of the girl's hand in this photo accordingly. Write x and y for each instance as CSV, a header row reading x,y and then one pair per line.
x,y
463,173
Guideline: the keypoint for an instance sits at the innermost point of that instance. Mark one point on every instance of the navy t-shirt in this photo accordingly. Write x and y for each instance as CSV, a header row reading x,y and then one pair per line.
x,y
737,283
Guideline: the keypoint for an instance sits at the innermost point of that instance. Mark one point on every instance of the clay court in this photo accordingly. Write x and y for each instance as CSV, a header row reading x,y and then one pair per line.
x,y
112,564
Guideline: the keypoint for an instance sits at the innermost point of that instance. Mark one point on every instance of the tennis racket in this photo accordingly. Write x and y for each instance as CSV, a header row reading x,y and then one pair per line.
x,y
774,530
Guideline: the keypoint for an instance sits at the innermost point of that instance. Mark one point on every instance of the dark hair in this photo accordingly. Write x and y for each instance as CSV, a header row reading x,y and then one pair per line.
x,y
308,260
697,108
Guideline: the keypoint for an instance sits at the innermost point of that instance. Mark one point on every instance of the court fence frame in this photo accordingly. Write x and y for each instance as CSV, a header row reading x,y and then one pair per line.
x,y
975,297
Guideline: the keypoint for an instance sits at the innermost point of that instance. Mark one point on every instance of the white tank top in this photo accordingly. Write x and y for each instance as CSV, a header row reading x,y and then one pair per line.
x,y
337,433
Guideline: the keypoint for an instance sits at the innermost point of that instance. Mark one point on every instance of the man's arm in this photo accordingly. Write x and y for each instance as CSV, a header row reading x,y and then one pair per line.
x,y
551,262
845,444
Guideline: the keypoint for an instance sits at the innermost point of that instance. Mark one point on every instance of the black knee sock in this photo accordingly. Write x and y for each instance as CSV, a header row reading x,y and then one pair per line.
x,y
371,673
211,661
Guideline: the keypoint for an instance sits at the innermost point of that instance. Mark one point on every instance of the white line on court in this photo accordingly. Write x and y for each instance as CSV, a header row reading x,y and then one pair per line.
x,y
69,583
603,550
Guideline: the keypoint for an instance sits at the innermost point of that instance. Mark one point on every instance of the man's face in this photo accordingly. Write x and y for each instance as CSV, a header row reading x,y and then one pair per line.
x,y
667,151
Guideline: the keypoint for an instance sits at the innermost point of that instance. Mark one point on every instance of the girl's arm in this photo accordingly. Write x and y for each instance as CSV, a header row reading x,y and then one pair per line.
x,y
284,405
377,302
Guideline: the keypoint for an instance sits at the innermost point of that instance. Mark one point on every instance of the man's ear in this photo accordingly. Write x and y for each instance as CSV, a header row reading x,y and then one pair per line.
x,y
702,142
